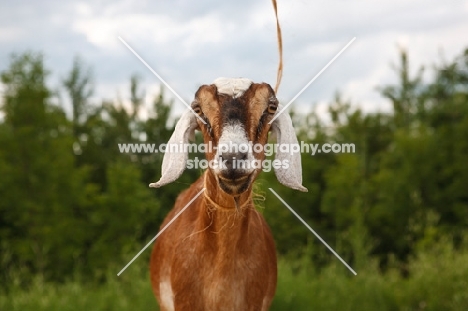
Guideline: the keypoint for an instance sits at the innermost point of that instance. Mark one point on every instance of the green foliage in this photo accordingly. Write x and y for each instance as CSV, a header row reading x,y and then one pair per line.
x,y
439,278
71,203
79,88
74,210
130,291
41,186
406,183
438,282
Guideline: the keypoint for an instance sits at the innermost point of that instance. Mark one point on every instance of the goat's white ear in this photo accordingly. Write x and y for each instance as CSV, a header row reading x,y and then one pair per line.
x,y
283,129
173,164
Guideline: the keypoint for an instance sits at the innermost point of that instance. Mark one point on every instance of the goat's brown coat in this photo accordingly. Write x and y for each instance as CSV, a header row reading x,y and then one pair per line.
x,y
215,259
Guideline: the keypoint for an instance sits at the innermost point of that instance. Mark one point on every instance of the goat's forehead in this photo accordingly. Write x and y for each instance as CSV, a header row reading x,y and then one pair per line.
x,y
229,100
234,87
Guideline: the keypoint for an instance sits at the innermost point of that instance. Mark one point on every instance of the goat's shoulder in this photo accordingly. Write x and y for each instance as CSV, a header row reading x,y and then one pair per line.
x,y
188,194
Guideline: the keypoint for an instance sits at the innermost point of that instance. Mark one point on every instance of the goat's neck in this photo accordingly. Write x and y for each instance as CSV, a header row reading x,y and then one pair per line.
x,y
222,215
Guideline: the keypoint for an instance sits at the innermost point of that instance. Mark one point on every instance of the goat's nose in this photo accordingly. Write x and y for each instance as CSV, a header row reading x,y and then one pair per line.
x,y
233,160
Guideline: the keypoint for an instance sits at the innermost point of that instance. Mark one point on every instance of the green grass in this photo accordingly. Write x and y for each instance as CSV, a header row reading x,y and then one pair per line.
x,y
438,281
130,291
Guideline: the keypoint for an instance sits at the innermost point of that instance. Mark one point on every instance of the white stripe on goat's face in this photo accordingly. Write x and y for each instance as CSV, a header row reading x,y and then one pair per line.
x,y
235,158
237,113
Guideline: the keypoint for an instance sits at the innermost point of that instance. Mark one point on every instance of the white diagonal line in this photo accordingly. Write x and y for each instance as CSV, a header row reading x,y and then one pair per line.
x,y
313,79
161,79
162,230
312,230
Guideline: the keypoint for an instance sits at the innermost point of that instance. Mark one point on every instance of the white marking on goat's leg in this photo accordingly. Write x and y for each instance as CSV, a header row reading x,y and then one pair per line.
x,y
167,296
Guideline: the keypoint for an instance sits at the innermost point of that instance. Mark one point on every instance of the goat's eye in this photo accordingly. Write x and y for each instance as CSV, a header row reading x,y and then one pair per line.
x,y
272,108
197,110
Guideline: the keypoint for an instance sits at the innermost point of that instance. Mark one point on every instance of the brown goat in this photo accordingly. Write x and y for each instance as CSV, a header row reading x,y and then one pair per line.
x,y
220,254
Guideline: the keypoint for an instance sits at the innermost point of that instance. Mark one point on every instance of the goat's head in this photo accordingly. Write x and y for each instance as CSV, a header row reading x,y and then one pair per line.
x,y
236,115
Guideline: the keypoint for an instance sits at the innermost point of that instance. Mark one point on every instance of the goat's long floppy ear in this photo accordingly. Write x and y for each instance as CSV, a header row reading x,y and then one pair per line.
x,y
173,164
283,129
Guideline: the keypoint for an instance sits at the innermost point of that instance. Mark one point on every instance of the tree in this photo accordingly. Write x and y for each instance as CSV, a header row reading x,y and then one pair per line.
x,y
42,187
79,88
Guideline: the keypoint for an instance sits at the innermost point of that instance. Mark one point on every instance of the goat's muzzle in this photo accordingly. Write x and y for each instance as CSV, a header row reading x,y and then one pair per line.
x,y
234,183
235,174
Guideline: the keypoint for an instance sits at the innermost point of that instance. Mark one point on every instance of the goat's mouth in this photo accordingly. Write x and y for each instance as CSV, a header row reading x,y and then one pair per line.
x,y
235,184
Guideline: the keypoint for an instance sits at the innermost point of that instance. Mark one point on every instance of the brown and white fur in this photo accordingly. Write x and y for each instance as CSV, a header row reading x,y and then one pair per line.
x,y
220,254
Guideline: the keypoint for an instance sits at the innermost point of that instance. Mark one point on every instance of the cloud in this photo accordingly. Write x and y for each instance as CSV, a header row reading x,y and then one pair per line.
x,y
156,30
192,43
9,34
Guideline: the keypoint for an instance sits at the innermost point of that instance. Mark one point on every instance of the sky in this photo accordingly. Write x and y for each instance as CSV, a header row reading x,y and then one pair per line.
x,y
192,43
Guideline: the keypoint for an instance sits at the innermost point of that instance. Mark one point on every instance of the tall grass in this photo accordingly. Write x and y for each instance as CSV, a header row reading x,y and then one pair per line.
x,y
438,280
130,291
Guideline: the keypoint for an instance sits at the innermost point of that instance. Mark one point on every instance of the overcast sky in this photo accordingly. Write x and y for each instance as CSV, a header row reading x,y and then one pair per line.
x,y
190,43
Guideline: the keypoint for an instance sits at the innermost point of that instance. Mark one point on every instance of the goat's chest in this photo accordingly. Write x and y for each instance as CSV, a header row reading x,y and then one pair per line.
x,y
223,277
225,287
228,284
